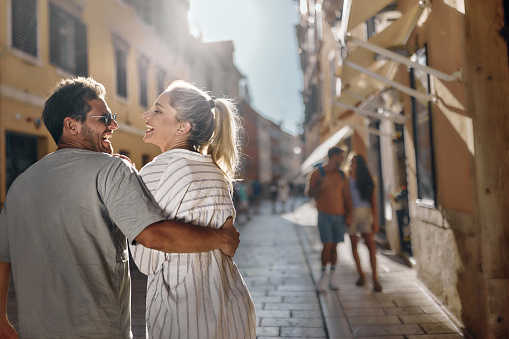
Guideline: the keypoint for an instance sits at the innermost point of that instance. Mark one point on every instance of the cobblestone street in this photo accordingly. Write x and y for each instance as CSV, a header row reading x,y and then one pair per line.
x,y
279,257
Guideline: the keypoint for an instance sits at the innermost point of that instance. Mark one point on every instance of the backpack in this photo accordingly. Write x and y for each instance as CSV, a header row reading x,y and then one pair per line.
x,y
322,172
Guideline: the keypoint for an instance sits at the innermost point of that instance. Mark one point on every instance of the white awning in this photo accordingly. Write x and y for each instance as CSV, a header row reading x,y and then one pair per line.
x,y
396,57
320,152
395,34
356,12
363,74
408,90
371,110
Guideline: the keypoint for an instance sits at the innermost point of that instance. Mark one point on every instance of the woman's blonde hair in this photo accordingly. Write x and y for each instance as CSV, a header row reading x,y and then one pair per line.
x,y
215,124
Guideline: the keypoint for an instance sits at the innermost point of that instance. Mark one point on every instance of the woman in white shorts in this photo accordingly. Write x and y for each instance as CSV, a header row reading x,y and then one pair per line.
x,y
365,219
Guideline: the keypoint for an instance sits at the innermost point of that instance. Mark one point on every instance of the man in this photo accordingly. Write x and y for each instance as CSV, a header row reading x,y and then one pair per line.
x,y
65,222
329,186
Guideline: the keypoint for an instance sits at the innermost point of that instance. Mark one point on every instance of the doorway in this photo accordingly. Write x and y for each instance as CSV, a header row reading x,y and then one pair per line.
x,y
21,153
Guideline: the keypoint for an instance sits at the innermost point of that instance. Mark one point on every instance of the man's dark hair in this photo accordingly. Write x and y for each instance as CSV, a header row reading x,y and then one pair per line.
x,y
333,151
69,98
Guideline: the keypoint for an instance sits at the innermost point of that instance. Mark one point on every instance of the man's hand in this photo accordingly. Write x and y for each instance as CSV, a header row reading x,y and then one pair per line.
x,y
230,238
6,330
348,219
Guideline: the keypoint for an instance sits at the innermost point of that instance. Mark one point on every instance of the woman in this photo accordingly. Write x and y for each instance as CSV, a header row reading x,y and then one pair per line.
x,y
195,295
365,219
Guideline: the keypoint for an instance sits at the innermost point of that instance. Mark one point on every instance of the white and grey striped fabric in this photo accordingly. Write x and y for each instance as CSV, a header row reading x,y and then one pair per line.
x,y
196,295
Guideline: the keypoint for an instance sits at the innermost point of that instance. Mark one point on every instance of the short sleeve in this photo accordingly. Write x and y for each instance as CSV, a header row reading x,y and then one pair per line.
x,y
127,200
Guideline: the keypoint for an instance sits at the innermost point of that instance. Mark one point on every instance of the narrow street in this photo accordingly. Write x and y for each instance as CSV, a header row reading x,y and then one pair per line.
x,y
279,257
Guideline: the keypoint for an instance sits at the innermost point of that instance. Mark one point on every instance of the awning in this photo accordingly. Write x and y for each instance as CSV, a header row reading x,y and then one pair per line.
x,y
364,87
362,74
394,35
320,152
356,12
372,110
406,61
405,89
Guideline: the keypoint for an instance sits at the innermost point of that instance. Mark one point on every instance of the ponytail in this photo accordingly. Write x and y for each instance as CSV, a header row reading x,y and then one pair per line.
x,y
215,125
225,145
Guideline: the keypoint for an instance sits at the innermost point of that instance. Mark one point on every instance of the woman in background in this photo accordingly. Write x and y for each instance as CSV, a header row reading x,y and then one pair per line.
x,y
195,295
365,220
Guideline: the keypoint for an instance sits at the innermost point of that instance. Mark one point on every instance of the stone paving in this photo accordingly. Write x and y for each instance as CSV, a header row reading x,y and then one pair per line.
x,y
279,258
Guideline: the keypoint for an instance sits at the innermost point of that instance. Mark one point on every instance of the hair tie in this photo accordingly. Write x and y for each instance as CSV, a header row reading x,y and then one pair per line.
x,y
212,103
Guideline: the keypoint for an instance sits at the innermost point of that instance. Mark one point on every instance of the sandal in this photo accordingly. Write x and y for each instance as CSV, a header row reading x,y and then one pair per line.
x,y
360,282
377,287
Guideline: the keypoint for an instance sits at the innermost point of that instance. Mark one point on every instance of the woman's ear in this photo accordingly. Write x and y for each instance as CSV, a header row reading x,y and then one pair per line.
x,y
184,128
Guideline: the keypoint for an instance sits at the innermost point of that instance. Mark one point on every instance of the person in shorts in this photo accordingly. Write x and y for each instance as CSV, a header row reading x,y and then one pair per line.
x,y
329,186
365,219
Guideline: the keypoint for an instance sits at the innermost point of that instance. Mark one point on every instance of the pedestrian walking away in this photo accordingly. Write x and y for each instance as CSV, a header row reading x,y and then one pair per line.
x,y
274,192
365,220
283,194
329,186
199,295
64,225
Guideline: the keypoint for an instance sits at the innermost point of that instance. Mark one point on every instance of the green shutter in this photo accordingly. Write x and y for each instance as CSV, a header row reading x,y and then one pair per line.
x,y
81,49
54,34
24,26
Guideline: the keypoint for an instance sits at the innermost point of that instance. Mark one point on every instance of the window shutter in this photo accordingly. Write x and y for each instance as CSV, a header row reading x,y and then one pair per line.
x,y
24,26
121,61
142,78
54,34
81,49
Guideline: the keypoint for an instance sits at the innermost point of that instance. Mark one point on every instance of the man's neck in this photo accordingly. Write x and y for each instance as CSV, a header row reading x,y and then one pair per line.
x,y
66,143
329,167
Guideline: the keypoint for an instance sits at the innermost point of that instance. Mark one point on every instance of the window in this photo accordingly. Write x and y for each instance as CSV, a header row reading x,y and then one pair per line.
x,y
161,81
142,80
423,136
143,9
68,41
24,26
121,48
370,27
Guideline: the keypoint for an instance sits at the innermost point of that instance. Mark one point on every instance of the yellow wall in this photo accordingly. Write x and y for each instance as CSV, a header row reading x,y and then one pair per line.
x,y
26,82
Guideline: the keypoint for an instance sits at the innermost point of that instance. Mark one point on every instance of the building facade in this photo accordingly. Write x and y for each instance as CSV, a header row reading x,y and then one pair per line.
x,y
420,88
134,48
122,44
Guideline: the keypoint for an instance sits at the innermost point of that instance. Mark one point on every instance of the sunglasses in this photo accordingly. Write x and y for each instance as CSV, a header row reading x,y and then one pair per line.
x,y
106,118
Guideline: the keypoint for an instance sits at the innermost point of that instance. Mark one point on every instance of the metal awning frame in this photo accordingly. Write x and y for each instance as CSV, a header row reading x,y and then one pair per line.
x,y
386,113
408,90
458,75
372,114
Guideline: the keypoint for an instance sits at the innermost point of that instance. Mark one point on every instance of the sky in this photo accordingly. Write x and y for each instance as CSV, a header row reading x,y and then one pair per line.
x,y
265,42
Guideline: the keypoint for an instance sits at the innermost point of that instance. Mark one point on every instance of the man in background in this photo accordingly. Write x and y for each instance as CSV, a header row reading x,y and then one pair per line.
x,y
329,186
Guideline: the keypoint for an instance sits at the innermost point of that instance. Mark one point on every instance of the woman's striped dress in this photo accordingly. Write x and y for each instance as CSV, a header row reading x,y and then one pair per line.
x,y
196,295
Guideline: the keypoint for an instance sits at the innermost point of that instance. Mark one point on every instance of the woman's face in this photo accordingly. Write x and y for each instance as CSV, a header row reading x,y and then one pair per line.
x,y
353,165
162,125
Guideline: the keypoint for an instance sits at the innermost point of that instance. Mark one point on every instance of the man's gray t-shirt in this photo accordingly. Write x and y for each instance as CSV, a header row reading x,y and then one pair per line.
x,y
63,228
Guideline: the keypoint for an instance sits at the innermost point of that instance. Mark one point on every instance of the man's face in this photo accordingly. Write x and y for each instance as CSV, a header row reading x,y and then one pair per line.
x,y
94,133
338,159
